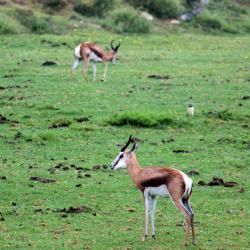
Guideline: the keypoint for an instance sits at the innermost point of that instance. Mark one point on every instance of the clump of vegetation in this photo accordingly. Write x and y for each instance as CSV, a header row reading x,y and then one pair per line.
x,y
147,120
60,123
9,25
33,22
96,8
224,115
127,20
160,8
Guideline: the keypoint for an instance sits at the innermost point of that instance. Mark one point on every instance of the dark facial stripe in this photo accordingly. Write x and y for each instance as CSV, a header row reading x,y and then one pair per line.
x,y
118,160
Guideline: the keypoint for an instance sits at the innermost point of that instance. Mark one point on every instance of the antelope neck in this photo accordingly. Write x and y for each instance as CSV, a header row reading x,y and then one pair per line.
x,y
133,168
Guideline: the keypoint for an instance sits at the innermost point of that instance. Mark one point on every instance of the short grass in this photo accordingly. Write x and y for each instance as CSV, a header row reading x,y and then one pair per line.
x,y
56,127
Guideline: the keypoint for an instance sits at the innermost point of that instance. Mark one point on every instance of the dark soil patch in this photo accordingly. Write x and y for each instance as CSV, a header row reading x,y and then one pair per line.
x,y
159,77
74,210
53,44
42,180
82,119
10,87
224,115
216,181
202,183
246,144
49,63
99,167
247,97
1,217
193,172
226,141
4,120
181,151
242,190
3,178
60,124
8,76
167,140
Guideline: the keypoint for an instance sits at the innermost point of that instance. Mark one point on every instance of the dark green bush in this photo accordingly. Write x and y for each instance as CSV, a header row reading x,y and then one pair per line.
x,y
96,8
129,21
34,23
54,4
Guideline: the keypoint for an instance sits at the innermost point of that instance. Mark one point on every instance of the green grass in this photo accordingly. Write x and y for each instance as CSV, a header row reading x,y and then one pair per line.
x,y
213,70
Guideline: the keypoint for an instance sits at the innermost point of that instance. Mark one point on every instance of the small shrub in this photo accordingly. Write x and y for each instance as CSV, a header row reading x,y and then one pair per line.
x,y
146,120
128,21
96,8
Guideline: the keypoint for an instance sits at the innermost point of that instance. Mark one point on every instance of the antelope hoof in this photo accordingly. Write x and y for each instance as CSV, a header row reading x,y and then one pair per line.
x,y
144,237
194,242
154,237
186,244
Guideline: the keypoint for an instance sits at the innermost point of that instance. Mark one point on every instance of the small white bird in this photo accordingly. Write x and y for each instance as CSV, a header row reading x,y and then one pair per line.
x,y
190,108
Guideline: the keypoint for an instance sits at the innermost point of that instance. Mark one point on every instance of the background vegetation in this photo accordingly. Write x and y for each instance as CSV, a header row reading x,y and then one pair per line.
x,y
122,16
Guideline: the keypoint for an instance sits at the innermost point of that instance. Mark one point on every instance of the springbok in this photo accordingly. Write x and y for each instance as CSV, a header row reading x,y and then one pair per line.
x,y
92,52
158,181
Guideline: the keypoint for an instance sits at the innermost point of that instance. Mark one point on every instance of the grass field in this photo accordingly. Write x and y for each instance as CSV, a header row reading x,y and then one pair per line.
x,y
36,100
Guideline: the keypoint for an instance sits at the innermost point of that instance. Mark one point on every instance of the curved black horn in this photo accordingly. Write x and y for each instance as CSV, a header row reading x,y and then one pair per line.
x,y
115,48
111,44
133,148
128,142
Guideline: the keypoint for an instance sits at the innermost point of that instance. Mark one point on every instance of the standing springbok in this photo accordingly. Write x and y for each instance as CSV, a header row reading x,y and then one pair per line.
x,y
158,181
92,52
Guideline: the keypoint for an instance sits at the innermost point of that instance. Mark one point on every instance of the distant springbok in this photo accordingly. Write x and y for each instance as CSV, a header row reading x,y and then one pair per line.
x,y
158,181
92,52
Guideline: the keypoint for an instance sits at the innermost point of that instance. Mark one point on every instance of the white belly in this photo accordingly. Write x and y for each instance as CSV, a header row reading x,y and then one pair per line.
x,y
93,57
160,191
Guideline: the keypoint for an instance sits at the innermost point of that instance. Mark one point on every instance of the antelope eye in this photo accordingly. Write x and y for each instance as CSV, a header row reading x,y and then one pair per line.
x,y
121,156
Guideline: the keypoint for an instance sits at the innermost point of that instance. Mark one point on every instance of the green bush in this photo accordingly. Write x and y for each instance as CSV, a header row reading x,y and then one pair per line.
x,y
127,21
160,8
96,8
31,21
